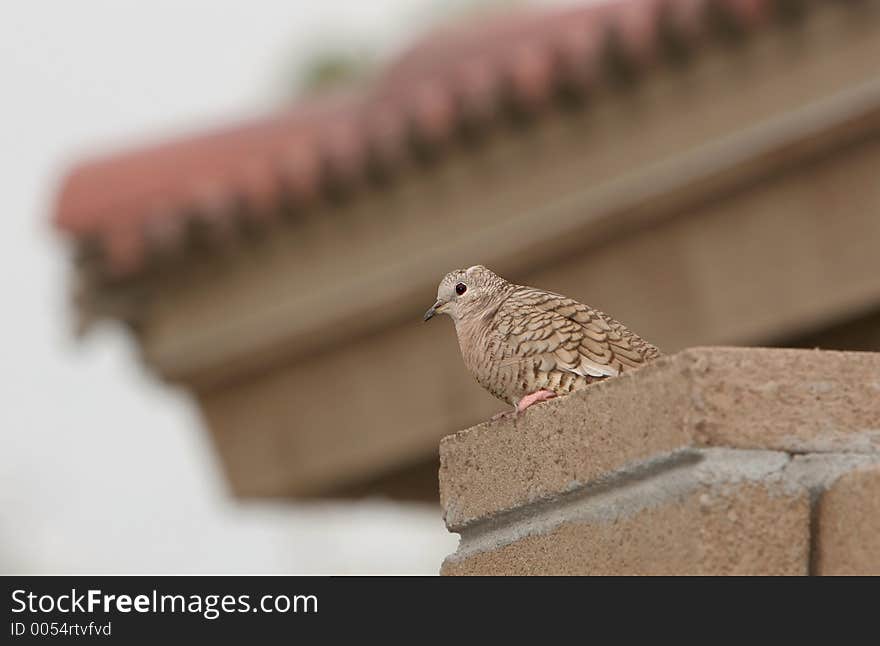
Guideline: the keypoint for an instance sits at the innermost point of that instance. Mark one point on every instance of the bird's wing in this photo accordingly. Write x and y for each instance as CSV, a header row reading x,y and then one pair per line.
x,y
568,335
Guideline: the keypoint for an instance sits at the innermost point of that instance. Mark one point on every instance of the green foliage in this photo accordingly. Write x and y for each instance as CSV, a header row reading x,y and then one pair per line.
x,y
333,69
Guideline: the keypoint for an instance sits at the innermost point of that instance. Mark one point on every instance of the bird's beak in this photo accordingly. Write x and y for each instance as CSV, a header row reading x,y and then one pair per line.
x,y
434,309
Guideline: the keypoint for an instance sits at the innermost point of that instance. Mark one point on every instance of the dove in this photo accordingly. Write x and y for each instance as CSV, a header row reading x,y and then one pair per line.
x,y
526,345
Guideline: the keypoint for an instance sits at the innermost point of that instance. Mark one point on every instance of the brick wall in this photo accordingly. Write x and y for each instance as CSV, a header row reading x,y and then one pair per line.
x,y
710,461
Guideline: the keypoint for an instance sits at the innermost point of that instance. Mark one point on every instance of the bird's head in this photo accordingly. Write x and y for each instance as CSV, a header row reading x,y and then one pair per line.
x,y
467,293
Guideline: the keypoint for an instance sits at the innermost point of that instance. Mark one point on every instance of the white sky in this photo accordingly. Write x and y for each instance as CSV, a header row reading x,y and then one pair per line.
x,y
102,469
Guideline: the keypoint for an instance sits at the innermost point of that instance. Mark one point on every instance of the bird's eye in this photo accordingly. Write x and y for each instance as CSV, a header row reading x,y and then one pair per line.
x,y
460,289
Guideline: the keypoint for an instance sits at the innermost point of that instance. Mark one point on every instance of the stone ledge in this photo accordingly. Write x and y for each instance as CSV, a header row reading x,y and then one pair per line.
x,y
791,401
848,525
704,511
699,511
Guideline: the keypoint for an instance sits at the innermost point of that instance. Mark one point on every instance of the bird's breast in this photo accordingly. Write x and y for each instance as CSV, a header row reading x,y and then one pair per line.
x,y
483,354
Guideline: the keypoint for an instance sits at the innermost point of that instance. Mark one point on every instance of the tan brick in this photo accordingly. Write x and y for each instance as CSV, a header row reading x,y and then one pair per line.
x,y
733,514
848,525
562,443
786,400
745,398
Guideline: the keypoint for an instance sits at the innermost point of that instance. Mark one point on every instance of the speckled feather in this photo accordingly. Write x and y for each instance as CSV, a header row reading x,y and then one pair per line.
x,y
517,340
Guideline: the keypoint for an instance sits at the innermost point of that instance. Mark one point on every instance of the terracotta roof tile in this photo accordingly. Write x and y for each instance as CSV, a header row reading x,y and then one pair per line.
x,y
145,201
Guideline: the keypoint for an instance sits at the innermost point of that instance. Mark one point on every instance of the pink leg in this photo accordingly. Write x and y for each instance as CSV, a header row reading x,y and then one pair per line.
x,y
524,403
534,398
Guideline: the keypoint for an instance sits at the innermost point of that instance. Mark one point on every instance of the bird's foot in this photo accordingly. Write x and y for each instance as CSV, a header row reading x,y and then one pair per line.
x,y
534,398
524,403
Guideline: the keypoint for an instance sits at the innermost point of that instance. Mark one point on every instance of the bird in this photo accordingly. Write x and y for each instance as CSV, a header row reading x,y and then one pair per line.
x,y
526,345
